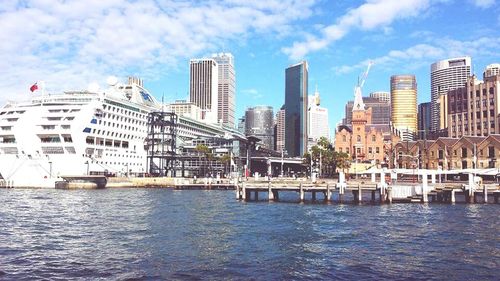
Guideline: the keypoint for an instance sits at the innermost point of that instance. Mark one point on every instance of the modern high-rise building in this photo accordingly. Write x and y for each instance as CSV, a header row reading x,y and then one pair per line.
x,y
296,83
259,122
203,84
226,88
318,120
404,105
446,75
280,129
381,96
380,111
424,120
492,70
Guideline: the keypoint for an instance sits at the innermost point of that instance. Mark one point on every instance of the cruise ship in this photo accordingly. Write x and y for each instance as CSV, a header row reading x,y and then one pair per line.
x,y
83,133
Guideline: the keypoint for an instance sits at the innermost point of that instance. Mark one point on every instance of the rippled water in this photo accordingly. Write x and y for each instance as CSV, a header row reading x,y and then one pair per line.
x,y
164,234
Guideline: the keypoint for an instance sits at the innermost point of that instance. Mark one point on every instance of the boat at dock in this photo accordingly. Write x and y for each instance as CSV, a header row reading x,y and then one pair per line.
x,y
89,132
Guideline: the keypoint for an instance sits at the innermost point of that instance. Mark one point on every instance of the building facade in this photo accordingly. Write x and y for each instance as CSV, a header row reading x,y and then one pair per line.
x,y
203,87
467,152
259,123
296,85
492,70
381,96
363,140
424,120
446,75
404,105
473,110
380,111
280,129
318,120
226,88
185,108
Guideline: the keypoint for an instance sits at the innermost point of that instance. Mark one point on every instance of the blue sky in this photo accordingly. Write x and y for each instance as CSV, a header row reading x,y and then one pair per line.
x,y
70,44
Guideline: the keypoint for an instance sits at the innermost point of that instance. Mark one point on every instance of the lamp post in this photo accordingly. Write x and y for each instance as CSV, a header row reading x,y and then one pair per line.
x,y
50,169
282,152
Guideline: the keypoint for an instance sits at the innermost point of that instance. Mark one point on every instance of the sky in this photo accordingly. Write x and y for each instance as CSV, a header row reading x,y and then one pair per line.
x,y
71,44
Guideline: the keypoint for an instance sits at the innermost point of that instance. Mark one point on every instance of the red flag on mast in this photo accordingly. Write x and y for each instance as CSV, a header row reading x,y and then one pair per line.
x,y
34,87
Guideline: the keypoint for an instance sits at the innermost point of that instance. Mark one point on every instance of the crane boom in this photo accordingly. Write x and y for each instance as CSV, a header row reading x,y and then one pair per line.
x,y
361,82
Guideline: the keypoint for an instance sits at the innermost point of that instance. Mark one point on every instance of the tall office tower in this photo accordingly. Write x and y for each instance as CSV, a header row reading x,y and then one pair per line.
x,y
381,96
241,124
318,120
203,77
380,111
226,88
404,105
280,129
492,70
259,122
474,108
296,78
424,120
446,75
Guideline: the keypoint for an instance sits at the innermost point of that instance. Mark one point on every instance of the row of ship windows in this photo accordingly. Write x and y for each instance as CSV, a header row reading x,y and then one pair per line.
x,y
116,125
123,119
123,111
63,110
12,112
109,133
107,142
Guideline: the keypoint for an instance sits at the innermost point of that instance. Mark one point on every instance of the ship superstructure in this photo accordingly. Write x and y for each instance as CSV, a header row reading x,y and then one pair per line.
x,y
83,133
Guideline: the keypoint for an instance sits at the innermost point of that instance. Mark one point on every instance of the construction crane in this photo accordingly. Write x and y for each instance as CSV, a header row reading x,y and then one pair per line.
x,y
361,80
358,98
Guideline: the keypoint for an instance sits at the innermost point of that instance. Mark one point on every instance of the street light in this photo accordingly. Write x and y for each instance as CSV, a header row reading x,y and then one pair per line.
x,y
50,169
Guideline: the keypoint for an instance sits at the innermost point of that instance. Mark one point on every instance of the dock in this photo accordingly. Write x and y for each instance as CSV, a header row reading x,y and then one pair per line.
x,y
368,192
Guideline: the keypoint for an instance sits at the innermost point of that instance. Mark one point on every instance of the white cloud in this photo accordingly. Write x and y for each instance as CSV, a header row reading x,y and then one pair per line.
x,y
372,14
483,3
253,93
425,54
71,43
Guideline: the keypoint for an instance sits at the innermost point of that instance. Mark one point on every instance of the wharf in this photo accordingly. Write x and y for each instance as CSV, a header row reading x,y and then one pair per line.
x,y
371,192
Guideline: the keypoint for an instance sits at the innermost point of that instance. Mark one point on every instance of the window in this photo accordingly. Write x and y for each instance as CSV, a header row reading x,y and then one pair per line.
x,y
358,138
373,138
377,150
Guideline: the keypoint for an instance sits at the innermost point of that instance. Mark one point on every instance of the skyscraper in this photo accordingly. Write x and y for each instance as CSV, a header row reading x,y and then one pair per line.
x,y
296,78
280,129
446,75
226,88
259,123
491,70
424,119
404,105
203,77
318,120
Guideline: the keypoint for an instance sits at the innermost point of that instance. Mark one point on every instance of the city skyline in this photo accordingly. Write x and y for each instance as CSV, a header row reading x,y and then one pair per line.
x,y
70,45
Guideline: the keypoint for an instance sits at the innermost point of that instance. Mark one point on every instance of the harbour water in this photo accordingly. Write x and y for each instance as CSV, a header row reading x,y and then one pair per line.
x,y
151,234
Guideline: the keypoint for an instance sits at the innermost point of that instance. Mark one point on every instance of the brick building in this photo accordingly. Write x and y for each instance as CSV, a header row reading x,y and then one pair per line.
x,y
362,140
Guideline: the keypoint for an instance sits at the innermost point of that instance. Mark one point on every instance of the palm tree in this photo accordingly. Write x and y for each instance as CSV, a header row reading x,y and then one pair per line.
x,y
205,151
225,159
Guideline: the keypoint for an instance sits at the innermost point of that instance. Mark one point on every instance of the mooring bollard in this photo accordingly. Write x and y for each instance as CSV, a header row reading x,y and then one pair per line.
x,y
485,193
301,190
243,192
270,192
360,193
452,200
389,195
